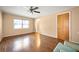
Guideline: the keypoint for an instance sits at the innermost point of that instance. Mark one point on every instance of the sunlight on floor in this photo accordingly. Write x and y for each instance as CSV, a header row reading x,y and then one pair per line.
x,y
20,44
26,42
38,41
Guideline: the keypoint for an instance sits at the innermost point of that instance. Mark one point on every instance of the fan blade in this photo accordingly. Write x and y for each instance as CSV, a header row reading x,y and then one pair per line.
x,y
37,11
35,8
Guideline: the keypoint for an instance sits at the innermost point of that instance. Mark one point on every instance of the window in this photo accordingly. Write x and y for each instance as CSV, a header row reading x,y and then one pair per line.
x,y
19,24
25,24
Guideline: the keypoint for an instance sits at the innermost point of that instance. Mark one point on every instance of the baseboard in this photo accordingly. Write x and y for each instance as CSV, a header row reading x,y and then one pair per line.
x,y
30,33
49,35
19,35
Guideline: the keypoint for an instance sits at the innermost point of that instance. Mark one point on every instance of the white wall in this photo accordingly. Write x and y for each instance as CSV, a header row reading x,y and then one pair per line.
x,y
75,25
48,25
0,25
8,29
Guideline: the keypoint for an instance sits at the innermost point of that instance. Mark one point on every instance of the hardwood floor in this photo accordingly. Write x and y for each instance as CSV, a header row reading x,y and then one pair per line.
x,y
33,42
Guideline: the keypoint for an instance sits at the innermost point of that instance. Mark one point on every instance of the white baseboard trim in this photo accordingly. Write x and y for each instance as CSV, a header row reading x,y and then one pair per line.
x,y
49,35
16,34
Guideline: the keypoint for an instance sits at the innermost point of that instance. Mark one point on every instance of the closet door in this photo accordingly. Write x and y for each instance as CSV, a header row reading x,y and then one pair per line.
x,y
63,26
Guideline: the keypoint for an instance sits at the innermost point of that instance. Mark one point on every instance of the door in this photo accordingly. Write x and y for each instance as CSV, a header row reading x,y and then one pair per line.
x,y
63,26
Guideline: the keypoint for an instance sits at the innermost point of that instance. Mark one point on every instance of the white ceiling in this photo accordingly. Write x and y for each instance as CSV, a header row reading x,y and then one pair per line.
x,y
24,10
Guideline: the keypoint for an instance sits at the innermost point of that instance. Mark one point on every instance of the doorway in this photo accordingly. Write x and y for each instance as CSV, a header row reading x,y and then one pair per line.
x,y
37,25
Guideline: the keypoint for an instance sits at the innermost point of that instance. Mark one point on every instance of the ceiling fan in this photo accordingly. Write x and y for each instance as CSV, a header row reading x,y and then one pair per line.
x,y
34,9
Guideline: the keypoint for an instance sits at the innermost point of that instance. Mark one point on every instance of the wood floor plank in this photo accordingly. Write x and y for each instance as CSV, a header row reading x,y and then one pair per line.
x,y
33,42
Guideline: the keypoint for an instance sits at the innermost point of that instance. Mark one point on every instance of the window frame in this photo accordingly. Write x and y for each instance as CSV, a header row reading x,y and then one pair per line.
x,y
27,24
21,23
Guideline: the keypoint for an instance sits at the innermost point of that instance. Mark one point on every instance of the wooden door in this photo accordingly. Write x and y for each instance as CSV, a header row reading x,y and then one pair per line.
x,y
63,26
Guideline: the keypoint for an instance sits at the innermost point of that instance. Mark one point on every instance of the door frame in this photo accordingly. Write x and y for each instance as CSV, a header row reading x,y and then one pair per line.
x,y
37,21
60,13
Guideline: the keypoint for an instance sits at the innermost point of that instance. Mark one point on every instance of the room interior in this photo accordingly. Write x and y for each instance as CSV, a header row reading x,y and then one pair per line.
x,y
39,29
